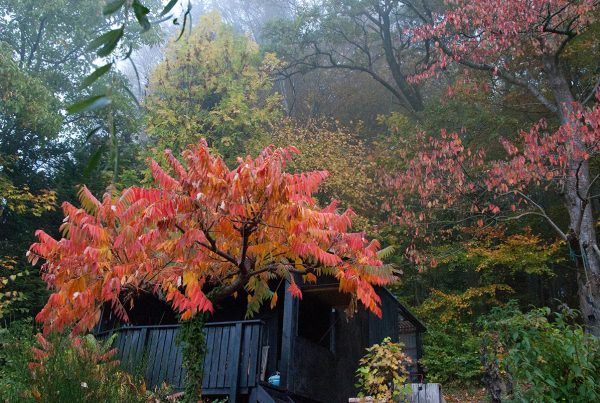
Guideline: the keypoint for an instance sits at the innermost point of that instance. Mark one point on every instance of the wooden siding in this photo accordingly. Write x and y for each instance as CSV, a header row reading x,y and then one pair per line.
x,y
232,361
387,325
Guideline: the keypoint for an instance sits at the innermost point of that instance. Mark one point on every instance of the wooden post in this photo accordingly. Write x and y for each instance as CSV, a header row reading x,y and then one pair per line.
x,y
234,367
290,325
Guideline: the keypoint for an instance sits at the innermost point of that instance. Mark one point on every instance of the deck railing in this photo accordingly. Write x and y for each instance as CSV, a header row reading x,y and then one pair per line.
x,y
231,364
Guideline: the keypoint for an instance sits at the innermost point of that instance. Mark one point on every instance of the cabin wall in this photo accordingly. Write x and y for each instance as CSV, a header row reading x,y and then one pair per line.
x,y
325,374
328,374
387,325
352,339
314,371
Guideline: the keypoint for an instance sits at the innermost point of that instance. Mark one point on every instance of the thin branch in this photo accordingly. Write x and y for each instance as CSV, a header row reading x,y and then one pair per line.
x,y
212,246
503,74
542,214
38,38
592,93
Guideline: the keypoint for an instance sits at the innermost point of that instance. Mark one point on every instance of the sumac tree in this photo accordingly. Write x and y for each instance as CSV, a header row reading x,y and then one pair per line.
x,y
205,233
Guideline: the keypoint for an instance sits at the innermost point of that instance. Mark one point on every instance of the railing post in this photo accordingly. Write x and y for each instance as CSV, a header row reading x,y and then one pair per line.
x,y
290,324
234,367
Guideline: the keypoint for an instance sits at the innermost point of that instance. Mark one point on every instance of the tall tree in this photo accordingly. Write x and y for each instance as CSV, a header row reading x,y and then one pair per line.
x,y
343,153
213,83
523,44
360,35
44,62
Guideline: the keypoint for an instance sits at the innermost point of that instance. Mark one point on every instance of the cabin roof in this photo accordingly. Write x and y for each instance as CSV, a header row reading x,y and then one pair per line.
x,y
328,282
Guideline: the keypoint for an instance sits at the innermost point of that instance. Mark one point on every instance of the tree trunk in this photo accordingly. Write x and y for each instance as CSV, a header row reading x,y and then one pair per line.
x,y
412,98
193,344
582,231
497,382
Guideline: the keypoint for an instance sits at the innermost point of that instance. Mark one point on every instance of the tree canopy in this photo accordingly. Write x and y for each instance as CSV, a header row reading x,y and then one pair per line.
x,y
205,227
215,84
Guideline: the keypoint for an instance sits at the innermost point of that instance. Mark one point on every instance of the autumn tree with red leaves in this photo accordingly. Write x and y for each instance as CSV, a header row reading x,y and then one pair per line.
x,y
522,44
205,233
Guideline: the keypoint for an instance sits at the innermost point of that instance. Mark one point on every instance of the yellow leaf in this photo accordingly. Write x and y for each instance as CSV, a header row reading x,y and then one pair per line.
x,y
189,277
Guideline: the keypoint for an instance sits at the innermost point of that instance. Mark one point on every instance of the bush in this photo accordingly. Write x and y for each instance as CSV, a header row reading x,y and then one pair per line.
x,y
80,369
451,354
382,372
15,354
543,356
64,369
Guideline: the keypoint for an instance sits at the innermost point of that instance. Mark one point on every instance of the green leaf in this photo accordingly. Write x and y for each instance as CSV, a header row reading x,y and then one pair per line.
x,y
93,162
89,104
107,42
112,7
141,14
137,75
168,7
92,132
96,74
132,95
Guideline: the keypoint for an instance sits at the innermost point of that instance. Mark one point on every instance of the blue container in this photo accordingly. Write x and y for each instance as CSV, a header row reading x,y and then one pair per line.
x,y
275,379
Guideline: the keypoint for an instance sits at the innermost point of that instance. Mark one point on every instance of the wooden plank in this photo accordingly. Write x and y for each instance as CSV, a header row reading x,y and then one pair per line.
x,y
178,376
142,343
426,393
264,358
216,358
120,343
416,392
432,393
152,348
253,359
164,364
154,351
156,374
225,358
234,361
126,349
210,337
137,352
131,359
121,339
246,336
230,348
171,358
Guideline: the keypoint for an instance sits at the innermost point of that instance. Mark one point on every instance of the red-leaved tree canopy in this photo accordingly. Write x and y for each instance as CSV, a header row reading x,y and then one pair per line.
x,y
523,44
205,230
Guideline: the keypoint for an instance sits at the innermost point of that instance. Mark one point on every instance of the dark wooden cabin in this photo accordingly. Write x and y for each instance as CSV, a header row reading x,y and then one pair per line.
x,y
313,343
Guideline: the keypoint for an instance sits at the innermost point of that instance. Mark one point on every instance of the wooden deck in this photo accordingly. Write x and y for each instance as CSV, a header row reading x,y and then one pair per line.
x,y
231,365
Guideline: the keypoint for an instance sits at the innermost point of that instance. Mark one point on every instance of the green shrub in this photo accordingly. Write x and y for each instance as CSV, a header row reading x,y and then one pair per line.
x,y
544,356
80,369
65,369
15,354
382,372
451,354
